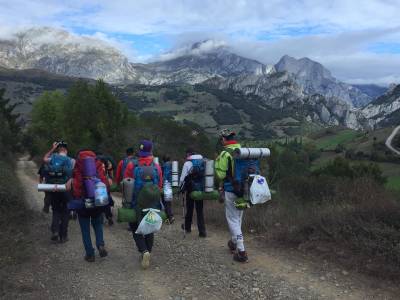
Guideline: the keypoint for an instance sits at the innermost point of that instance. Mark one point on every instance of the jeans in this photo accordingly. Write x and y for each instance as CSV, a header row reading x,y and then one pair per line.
x,y
60,216
168,208
97,223
143,242
190,204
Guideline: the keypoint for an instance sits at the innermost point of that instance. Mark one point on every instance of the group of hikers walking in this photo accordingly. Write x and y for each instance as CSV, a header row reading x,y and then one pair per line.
x,y
81,186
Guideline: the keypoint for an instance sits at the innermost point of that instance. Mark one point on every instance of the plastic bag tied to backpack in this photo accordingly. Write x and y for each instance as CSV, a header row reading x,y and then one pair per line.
x,y
150,223
259,190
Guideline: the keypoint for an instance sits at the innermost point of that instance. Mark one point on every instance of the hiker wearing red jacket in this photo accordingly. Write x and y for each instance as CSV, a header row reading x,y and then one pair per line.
x,y
126,166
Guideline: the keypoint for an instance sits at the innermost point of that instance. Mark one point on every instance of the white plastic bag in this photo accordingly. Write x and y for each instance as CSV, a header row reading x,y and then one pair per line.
x,y
150,223
168,195
259,190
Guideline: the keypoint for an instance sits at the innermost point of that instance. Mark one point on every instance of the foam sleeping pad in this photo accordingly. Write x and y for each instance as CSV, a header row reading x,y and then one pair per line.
x,y
197,196
128,215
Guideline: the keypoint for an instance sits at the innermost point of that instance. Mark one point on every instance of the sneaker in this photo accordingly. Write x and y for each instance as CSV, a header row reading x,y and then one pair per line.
x,y
54,237
89,258
232,246
145,259
202,234
102,251
241,256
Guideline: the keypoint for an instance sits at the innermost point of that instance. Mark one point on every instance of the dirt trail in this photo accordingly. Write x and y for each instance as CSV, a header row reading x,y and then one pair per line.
x,y
190,268
389,140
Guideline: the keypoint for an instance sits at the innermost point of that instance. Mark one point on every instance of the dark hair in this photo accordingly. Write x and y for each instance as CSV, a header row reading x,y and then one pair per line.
x,y
230,137
130,151
166,158
190,151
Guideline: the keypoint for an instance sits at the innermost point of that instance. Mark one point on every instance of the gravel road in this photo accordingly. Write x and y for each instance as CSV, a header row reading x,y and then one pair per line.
x,y
190,268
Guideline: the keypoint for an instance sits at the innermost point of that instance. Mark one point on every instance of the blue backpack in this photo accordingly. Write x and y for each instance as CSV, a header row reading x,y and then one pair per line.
x,y
238,180
58,170
146,193
167,171
195,179
126,162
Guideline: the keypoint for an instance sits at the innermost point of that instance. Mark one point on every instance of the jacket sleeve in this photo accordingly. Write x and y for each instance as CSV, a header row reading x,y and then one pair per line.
x,y
160,175
118,175
185,171
221,165
129,170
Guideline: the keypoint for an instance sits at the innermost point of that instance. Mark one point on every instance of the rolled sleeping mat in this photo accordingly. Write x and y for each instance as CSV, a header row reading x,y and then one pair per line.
x,y
127,190
156,160
197,196
89,167
90,186
252,153
42,187
128,215
209,176
175,174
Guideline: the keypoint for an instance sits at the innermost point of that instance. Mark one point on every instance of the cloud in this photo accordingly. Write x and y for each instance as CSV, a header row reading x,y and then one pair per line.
x,y
340,33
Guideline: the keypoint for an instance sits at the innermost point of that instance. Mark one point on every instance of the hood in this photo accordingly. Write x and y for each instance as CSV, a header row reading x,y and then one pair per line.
x,y
195,156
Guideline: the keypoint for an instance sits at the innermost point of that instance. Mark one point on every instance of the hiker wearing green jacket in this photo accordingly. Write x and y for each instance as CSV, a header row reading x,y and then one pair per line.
x,y
224,166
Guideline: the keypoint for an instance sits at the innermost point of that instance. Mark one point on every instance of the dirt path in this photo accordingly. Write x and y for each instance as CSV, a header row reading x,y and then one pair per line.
x,y
189,268
389,140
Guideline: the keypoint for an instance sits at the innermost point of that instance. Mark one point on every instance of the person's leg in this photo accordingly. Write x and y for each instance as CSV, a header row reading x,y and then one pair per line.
x,y
64,220
55,224
189,213
149,240
46,203
138,238
200,218
97,223
234,219
84,223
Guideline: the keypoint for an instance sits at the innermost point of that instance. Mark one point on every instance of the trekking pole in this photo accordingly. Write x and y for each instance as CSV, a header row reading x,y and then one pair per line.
x,y
183,195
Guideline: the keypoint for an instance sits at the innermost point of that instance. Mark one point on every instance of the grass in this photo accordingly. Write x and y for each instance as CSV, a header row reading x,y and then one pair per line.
x,y
393,183
342,137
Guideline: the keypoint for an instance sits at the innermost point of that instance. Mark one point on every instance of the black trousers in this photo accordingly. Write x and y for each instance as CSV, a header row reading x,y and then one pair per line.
x,y
143,242
190,205
60,217
168,208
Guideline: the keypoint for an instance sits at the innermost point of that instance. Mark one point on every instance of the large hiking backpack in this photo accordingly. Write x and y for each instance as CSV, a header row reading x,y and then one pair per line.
x,y
146,191
126,162
58,170
195,179
239,178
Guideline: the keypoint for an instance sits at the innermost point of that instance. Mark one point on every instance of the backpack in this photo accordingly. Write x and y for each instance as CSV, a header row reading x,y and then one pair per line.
x,y
195,179
240,177
146,193
126,162
58,170
167,171
78,185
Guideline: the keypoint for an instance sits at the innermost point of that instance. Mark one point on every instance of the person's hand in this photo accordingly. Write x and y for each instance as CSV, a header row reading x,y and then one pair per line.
x,y
68,185
55,145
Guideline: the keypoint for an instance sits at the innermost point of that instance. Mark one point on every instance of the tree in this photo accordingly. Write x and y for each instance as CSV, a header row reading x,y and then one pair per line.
x,y
9,126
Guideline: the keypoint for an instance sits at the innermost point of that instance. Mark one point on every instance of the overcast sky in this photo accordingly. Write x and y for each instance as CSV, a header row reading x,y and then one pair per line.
x,y
359,41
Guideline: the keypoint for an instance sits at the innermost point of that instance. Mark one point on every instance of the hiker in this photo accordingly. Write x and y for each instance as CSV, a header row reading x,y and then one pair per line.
x,y
109,172
224,165
85,179
147,194
57,169
125,166
167,199
192,179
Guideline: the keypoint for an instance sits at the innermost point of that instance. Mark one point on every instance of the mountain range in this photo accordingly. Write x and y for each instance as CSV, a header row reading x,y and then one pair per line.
x,y
299,88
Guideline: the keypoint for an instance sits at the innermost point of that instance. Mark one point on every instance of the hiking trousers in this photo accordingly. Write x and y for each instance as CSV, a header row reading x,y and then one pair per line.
x,y
234,218
190,205
60,216
143,242
168,208
97,224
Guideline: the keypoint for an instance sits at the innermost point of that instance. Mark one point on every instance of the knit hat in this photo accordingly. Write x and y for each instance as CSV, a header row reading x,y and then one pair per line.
x,y
146,148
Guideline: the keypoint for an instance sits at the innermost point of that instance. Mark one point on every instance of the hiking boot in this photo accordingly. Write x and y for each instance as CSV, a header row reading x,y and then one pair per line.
x,y
187,230
145,259
232,246
54,237
241,256
46,209
202,234
89,258
102,251
110,221
170,221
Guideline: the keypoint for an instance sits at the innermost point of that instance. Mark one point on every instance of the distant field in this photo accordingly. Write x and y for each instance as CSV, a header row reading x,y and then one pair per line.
x,y
393,183
343,137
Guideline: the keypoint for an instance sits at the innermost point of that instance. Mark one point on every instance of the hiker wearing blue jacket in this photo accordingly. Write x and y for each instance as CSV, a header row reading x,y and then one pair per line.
x,y
58,171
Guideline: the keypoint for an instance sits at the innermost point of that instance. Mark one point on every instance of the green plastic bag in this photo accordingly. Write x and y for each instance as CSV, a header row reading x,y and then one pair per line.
x,y
196,195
